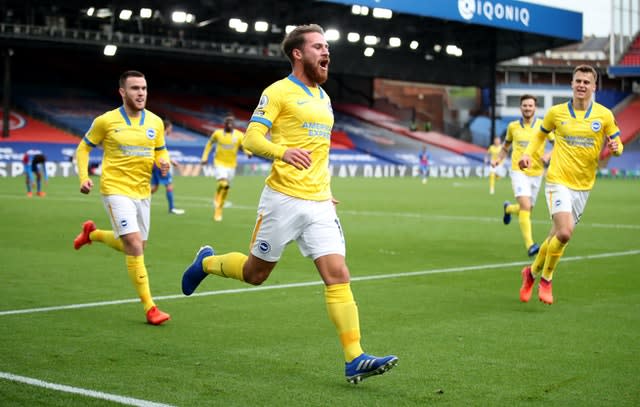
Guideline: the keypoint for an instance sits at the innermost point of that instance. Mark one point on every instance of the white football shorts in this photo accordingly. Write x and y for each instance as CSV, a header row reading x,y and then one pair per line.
x,y
500,170
128,215
525,185
314,225
225,173
564,199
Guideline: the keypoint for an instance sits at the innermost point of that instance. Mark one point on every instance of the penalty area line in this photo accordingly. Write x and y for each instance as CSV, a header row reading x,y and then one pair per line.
x,y
129,401
318,282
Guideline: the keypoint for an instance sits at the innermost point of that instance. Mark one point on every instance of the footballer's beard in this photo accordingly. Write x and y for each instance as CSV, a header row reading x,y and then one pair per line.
x,y
132,105
528,116
315,73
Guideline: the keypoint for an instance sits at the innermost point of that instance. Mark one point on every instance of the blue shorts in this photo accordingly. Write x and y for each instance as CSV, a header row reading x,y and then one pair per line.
x,y
158,179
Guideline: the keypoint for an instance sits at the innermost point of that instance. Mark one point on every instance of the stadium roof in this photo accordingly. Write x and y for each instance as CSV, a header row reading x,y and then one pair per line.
x,y
477,33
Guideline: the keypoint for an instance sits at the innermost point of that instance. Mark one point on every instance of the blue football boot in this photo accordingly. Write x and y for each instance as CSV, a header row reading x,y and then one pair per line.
x,y
366,365
194,274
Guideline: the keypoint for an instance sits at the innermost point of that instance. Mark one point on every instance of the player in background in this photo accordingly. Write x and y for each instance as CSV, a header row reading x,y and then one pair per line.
x,y
525,183
133,140
35,170
297,204
582,127
158,179
225,160
491,158
425,159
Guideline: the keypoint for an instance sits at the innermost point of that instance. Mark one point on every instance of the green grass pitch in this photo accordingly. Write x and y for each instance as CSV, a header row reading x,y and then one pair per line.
x,y
435,274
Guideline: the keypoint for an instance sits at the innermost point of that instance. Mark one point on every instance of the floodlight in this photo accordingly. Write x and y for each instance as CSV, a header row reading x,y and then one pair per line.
x,y
395,42
371,39
179,17
332,34
353,37
125,14
382,13
110,50
261,26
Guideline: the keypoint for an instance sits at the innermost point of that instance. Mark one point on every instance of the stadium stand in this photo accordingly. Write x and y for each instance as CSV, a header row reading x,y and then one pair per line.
x,y
632,55
628,119
26,129
390,123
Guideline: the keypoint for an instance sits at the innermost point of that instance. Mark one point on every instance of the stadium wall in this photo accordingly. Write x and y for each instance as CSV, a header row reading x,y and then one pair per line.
x,y
343,164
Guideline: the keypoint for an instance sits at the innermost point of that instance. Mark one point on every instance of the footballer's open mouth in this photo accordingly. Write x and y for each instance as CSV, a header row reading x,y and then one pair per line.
x,y
324,64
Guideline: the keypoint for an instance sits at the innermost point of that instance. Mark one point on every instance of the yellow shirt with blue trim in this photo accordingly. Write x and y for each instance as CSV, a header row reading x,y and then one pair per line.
x,y
228,144
298,116
580,136
519,134
131,146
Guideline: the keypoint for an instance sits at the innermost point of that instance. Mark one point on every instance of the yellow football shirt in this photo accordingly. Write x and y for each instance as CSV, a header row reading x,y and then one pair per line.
x,y
298,117
493,151
227,150
131,146
519,135
580,136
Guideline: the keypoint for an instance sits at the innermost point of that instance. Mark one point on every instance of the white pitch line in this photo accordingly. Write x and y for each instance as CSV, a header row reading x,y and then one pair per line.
x,y
313,283
129,401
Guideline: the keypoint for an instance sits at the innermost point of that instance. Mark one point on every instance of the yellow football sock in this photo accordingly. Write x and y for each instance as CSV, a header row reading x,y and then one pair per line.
x,y
223,196
138,275
221,193
513,209
524,218
538,262
216,198
343,312
554,253
492,181
228,265
107,237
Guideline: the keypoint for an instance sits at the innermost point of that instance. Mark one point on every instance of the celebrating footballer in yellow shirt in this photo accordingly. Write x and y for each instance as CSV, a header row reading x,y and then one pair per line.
x,y
133,140
491,158
228,141
582,127
296,203
525,183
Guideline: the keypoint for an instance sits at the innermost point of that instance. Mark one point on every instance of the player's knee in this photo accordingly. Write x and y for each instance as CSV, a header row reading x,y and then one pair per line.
x,y
564,234
255,273
255,277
